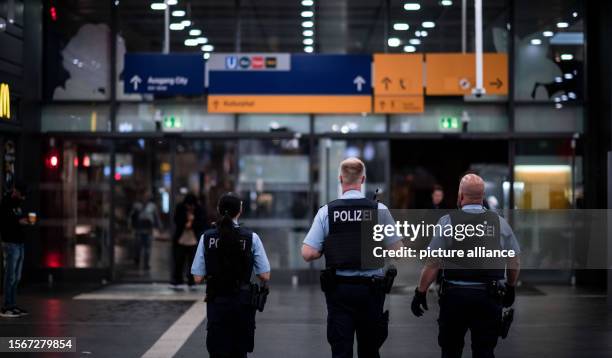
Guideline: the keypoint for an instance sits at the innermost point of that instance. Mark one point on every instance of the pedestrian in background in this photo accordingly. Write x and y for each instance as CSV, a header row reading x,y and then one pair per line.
x,y
12,223
190,224
437,198
145,219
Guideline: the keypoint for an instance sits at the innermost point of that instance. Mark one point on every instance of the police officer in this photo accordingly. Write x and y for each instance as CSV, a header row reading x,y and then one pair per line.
x,y
472,290
226,258
353,288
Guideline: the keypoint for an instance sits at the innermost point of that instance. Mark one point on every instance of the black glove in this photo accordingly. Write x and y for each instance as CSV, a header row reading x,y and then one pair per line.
x,y
509,296
419,302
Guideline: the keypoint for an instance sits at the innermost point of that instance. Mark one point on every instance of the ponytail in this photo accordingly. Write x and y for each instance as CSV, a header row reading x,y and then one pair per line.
x,y
229,237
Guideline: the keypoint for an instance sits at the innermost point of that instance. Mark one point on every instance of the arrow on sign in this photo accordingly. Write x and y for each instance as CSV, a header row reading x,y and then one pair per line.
x,y
359,82
135,81
386,81
498,83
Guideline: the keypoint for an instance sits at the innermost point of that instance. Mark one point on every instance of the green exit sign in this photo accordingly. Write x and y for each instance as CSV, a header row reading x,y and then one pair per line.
x,y
449,123
172,122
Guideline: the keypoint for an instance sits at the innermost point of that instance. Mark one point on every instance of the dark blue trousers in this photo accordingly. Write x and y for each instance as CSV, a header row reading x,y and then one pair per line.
x,y
468,308
356,310
230,327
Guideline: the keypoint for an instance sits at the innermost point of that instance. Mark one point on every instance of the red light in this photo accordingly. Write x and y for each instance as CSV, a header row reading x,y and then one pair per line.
x,y
53,260
53,13
76,162
54,161
86,161
117,176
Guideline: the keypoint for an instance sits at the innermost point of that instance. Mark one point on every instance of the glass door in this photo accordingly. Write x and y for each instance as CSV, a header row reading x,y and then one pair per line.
x,y
143,210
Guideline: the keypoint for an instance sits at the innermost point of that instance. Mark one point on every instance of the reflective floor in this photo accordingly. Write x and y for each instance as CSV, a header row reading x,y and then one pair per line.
x,y
132,320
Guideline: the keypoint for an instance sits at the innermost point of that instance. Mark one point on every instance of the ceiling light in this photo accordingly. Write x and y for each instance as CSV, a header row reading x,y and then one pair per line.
x,y
446,3
171,2
536,42
178,13
400,26
409,48
191,42
202,40
208,48
206,55
417,33
308,49
412,6
567,57
195,32
562,25
158,6
308,41
308,33
176,27
429,24
394,42
414,41
307,3
548,34
307,14
568,76
307,24
424,33
575,14
186,23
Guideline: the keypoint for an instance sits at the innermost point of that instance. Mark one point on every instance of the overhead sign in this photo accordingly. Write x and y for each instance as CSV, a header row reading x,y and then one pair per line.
x,y
171,74
5,101
398,83
304,84
399,104
288,104
249,62
454,74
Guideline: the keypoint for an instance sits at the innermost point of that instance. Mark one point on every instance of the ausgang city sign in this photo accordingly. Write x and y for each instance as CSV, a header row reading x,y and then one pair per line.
x,y
5,101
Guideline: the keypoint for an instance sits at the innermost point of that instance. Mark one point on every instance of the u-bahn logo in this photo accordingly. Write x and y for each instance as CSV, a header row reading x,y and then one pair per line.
x,y
5,101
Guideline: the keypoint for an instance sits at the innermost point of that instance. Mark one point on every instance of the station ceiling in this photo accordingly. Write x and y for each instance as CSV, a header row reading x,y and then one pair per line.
x,y
340,26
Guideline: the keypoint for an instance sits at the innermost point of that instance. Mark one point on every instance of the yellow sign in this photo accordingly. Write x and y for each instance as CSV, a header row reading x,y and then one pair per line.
x,y
399,104
288,104
5,101
454,74
398,83
398,74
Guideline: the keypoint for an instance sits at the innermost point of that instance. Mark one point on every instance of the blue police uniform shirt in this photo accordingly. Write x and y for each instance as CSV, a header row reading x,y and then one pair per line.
x,y
260,259
507,239
320,229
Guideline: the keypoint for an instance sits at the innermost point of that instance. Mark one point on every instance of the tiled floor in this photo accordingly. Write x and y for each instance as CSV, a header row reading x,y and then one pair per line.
x,y
126,320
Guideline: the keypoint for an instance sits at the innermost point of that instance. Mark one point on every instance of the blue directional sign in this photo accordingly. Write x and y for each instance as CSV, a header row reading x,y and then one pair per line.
x,y
306,75
164,74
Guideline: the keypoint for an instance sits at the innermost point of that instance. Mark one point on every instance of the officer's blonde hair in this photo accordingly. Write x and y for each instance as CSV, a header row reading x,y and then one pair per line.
x,y
352,170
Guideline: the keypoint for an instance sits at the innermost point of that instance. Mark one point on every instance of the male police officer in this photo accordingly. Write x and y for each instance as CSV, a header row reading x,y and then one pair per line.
x,y
353,287
472,291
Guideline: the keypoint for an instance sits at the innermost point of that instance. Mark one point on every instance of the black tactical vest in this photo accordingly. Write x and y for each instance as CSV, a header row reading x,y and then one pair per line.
x,y
469,268
225,276
345,247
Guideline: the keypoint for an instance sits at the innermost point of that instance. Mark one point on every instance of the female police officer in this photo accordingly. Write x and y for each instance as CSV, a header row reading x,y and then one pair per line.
x,y
226,258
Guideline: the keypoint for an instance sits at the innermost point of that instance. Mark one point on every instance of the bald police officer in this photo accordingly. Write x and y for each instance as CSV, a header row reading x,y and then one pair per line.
x,y
353,287
472,290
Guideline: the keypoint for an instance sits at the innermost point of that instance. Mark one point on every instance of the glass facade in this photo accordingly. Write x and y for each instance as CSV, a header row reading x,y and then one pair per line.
x,y
285,166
